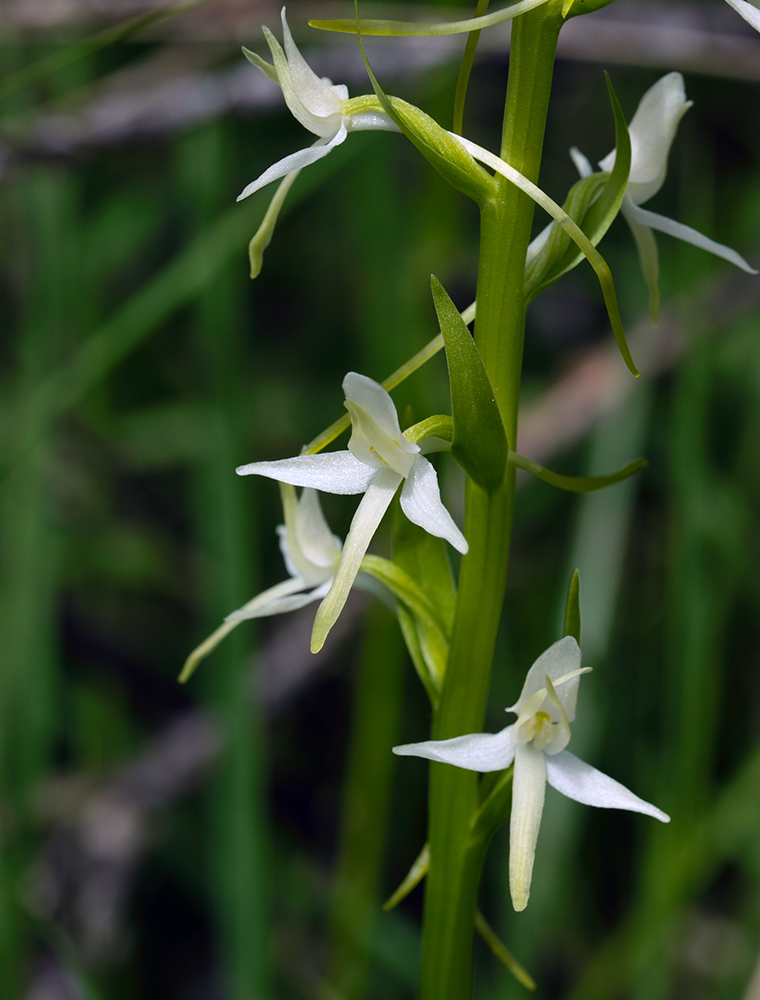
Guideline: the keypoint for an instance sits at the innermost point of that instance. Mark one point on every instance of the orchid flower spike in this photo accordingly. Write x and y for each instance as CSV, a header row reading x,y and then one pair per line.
x,y
311,553
536,743
378,460
321,106
652,131
749,10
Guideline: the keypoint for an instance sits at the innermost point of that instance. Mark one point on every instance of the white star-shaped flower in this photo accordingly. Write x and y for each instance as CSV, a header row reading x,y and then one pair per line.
x,y
378,460
652,130
536,743
321,106
311,553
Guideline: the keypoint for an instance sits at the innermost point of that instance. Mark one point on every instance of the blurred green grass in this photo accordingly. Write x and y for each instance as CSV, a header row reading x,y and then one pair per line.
x,y
140,366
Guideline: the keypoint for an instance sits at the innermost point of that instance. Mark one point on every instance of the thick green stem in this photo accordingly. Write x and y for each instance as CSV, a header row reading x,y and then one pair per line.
x,y
456,863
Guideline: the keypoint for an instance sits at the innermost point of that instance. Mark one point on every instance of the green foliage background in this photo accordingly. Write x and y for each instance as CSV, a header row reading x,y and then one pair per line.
x,y
158,841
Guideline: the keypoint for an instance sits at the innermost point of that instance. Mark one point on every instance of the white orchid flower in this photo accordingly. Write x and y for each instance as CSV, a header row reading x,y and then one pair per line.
x,y
536,744
311,553
749,10
321,106
652,131
378,460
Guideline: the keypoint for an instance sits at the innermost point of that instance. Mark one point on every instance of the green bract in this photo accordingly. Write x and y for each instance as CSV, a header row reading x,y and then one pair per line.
x,y
479,444
593,202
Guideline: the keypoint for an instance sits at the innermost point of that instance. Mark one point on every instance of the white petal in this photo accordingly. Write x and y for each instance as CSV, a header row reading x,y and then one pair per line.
x,y
477,752
376,401
255,608
538,243
578,780
293,162
309,549
422,504
279,605
582,164
365,522
749,13
333,472
315,540
681,232
652,131
317,95
376,438
562,657
528,789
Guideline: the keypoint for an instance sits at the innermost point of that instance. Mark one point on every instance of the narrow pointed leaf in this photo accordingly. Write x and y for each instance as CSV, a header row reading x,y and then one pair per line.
x,y
465,69
415,875
593,202
426,561
576,7
428,667
496,806
576,484
263,235
504,955
425,29
438,146
479,444
573,608
404,588
592,255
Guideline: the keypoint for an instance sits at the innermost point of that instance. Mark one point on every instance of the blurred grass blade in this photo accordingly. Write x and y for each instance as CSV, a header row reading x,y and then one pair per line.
x,y
503,953
573,608
182,280
465,69
407,28
75,51
576,484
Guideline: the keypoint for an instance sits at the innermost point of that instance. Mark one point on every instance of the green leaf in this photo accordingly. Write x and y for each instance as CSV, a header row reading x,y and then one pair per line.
x,y
438,426
593,202
576,484
465,69
500,950
479,444
415,875
409,28
406,590
576,7
496,807
592,255
573,608
425,559
429,666
439,148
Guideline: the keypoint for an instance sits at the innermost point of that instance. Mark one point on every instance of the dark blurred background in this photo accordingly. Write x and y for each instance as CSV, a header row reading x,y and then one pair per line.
x,y
182,843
